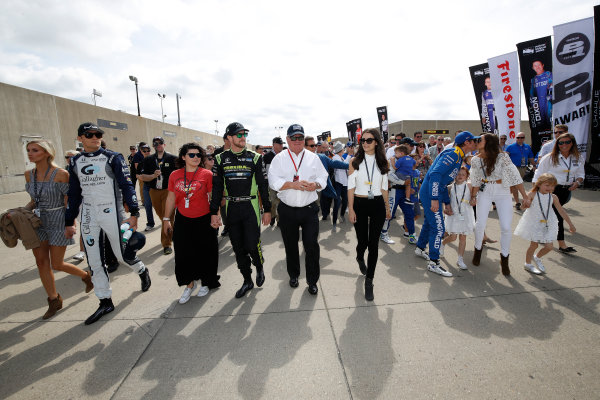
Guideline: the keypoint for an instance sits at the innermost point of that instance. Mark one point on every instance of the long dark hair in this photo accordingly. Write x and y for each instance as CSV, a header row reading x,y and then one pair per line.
x,y
491,149
180,163
556,151
382,163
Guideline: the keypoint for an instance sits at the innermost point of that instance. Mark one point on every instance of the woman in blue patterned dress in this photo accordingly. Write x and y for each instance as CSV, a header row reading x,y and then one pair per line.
x,y
47,184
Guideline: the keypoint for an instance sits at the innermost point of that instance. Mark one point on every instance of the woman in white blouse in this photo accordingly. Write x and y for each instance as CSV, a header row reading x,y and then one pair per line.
x,y
368,201
492,176
568,167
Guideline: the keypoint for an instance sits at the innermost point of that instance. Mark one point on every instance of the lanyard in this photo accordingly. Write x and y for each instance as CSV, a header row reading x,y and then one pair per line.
x,y
462,198
38,195
159,163
371,176
186,187
547,214
299,164
568,166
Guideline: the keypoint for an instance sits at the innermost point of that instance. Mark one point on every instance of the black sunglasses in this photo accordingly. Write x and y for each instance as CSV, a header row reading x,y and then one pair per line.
x,y
296,138
367,141
193,155
564,142
520,137
421,145
89,135
559,132
311,145
210,158
145,151
157,143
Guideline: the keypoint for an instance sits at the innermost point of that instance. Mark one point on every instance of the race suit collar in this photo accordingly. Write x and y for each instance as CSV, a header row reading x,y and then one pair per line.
x,y
459,151
95,153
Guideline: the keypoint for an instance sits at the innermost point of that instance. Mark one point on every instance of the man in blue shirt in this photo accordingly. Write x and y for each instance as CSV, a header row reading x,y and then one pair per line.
x,y
433,191
521,155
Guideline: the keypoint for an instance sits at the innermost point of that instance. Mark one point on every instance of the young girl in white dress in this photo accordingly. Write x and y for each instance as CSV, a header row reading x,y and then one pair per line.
x,y
539,223
462,220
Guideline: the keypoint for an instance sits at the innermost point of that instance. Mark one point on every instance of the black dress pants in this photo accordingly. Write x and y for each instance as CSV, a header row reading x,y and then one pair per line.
x,y
564,195
290,221
370,216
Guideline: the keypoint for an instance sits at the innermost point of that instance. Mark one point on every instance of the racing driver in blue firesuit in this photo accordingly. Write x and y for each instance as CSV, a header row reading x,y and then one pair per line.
x,y
433,192
98,183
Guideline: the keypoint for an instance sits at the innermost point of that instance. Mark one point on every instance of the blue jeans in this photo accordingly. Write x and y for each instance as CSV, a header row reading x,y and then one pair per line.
x,y
341,199
148,205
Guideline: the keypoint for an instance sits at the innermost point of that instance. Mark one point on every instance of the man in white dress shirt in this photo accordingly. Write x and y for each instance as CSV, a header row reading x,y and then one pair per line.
x,y
547,147
297,175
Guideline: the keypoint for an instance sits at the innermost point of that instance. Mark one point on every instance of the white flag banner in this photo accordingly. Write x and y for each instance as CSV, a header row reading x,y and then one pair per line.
x,y
506,90
573,70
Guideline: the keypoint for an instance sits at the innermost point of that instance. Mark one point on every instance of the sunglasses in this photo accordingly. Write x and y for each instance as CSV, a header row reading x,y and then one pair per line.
x,y
297,138
559,132
193,155
564,142
89,135
520,137
421,145
367,141
241,135
210,158
157,143
145,151
311,145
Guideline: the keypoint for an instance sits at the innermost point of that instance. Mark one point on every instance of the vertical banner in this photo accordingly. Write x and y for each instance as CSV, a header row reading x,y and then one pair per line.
x,y
504,74
482,84
594,156
573,64
326,136
535,58
383,122
354,128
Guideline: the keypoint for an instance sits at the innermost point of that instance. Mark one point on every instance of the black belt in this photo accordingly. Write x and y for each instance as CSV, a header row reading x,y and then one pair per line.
x,y
308,205
239,198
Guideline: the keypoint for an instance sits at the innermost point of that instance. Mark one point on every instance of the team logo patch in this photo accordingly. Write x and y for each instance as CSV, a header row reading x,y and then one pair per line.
x,y
90,241
90,169
106,210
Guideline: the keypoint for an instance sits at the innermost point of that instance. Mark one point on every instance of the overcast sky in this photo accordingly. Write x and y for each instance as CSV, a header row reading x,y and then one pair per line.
x,y
269,63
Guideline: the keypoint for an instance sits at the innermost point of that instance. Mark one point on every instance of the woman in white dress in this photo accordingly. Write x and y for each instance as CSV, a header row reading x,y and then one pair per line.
x,y
492,176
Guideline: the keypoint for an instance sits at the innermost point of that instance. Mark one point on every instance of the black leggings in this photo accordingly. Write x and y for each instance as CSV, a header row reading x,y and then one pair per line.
x,y
563,194
370,216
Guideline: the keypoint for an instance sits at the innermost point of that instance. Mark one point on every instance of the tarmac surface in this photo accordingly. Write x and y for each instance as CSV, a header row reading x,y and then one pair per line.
x,y
477,335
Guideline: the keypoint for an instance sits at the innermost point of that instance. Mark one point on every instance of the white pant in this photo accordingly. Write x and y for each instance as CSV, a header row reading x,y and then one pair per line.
x,y
500,195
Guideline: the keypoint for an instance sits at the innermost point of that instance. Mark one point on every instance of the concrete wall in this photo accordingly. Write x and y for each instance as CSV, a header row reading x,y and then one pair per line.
x,y
26,114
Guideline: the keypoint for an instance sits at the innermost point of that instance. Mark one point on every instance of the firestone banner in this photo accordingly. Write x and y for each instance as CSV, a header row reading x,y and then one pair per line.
x,y
573,63
354,128
482,85
504,74
535,59
383,122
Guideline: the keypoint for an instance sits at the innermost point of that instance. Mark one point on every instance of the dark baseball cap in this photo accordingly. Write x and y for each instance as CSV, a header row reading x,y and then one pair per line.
x,y
408,141
88,127
158,139
234,128
278,140
295,129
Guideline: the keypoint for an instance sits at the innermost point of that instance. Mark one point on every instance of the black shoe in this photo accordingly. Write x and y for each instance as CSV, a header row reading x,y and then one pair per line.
x,y
112,267
260,277
106,306
325,217
362,266
145,278
246,286
294,282
567,250
272,221
369,289
167,251
225,232
313,289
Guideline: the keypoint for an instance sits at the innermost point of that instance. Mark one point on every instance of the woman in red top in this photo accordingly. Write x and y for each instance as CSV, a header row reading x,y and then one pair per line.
x,y
189,190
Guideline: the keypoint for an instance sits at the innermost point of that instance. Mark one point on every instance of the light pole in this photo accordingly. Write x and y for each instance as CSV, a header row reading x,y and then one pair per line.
x,y
217,127
137,96
177,96
161,97
96,93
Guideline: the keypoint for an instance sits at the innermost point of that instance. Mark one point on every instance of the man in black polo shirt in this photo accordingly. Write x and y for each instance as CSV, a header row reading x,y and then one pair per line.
x,y
156,170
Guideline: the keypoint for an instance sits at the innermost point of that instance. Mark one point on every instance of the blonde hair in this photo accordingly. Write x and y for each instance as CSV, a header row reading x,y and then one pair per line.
x,y
48,147
544,178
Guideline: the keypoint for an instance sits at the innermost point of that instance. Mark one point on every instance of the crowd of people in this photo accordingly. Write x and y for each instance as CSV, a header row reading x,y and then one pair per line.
x,y
452,182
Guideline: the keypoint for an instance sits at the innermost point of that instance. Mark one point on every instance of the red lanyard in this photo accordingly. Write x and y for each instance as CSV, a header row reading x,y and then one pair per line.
x,y
293,162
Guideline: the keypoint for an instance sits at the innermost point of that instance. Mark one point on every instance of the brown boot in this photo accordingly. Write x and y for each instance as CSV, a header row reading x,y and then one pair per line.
x,y
476,256
88,282
53,306
504,264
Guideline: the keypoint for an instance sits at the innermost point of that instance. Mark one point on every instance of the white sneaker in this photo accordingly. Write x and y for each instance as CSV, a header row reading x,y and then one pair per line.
x,y
438,269
442,250
203,291
422,253
538,262
461,264
149,228
533,269
187,293
386,238
79,256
